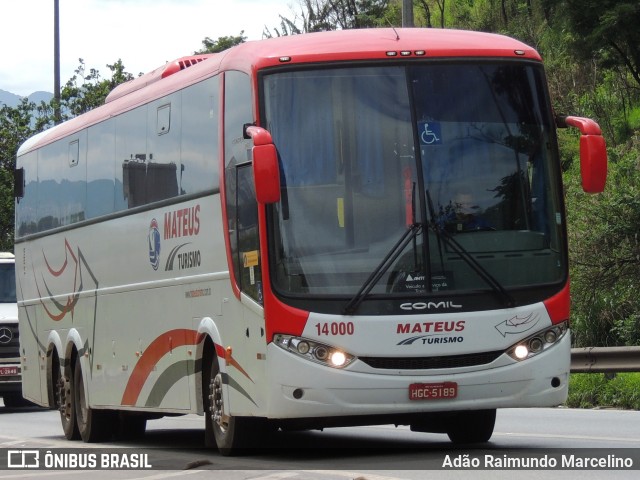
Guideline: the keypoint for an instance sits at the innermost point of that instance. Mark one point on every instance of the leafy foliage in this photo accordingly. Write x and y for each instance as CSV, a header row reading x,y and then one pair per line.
x,y
222,43
16,125
605,253
605,30
588,390
323,15
83,92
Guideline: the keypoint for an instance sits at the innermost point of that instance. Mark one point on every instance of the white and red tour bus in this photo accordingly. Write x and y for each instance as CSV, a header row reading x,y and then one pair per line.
x,y
331,229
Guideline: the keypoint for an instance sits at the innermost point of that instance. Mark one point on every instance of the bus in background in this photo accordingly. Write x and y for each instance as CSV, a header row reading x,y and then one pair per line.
x,y
341,228
10,382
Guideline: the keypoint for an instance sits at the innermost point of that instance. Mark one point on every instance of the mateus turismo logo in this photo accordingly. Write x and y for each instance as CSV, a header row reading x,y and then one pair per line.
x,y
154,244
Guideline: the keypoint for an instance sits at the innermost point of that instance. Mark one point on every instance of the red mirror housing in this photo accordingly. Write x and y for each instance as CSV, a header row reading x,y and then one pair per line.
x,y
593,154
266,172
593,163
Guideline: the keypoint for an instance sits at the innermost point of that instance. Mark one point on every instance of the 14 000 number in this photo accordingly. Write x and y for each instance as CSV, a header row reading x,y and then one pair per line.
x,y
335,328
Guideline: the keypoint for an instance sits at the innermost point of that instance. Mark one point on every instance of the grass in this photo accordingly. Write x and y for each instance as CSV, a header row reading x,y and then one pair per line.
x,y
589,390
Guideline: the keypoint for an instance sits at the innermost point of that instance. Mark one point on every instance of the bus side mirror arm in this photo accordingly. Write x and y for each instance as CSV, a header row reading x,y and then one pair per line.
x,y
266,171
593,152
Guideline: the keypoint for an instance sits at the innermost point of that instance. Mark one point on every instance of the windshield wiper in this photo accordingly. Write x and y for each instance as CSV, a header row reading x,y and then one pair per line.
x,y
482,272
377,273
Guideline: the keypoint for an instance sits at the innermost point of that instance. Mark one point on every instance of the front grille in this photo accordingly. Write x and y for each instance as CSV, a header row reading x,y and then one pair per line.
x,y
9,348
431,363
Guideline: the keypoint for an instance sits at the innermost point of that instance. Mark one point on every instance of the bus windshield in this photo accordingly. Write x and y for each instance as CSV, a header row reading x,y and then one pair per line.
x,y
7,283
466,151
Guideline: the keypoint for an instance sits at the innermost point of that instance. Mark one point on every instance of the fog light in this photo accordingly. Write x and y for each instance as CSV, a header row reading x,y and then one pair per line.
x,y
521,352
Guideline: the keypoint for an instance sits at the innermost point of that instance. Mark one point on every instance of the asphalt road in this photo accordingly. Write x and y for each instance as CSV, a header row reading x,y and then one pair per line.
x,y
176,447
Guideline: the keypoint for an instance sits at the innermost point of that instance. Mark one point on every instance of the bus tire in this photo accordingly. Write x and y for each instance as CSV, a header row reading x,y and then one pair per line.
x,y
67,405
93,425
472,427
130,426
231,435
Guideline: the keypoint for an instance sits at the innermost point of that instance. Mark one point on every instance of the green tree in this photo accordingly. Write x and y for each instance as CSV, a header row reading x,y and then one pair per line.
x,y
222,43
19,123
87,90
604,30
16,125
604,244
324,15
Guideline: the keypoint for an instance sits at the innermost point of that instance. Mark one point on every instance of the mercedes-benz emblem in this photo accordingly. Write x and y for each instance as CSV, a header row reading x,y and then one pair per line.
x,y
6,335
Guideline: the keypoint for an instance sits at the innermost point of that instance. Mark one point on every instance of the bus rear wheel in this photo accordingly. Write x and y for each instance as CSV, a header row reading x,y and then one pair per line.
x,y
472,427
93,425
66,404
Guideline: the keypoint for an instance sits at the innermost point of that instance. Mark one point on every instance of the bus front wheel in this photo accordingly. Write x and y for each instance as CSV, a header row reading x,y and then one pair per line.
x,y
232,435
472,427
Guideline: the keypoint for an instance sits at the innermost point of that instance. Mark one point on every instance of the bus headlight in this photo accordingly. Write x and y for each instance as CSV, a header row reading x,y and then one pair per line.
x,y
314,351
538,342
338,359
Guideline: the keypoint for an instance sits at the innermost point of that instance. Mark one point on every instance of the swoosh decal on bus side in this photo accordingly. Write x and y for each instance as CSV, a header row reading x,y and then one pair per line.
x,y
158,349
174,373
68,250
226,378
34,335
229,360
77,276
72,301
168,379
152,355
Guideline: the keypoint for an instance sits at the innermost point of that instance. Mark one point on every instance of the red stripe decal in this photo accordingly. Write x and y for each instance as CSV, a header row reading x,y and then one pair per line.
x,y
68,250
151,356
227,356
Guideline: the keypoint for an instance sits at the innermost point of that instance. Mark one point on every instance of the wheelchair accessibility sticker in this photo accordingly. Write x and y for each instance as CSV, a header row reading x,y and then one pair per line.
x,y
430,133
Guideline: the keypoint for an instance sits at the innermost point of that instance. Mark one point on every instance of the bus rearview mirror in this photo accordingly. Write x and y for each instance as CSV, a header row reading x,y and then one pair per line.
x,y
266,172
593,154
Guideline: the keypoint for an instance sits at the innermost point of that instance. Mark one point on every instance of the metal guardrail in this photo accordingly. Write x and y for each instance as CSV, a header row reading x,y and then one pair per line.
x,y
605,359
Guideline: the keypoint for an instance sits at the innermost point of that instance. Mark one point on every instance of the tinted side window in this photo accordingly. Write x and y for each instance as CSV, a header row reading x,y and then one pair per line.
x,y
131,157
163,148
101,169
199,148
157,151
62,188
240,197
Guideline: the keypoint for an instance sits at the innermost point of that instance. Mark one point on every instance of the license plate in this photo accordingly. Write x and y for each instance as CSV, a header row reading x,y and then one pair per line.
x,y
433,391
7,371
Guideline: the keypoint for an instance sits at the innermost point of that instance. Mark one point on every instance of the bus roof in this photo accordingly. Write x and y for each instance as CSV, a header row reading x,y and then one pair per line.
x,y
377,43
334,46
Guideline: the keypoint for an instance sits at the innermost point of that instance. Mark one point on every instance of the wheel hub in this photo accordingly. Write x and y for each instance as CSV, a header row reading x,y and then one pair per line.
x,y
64,397
217,403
